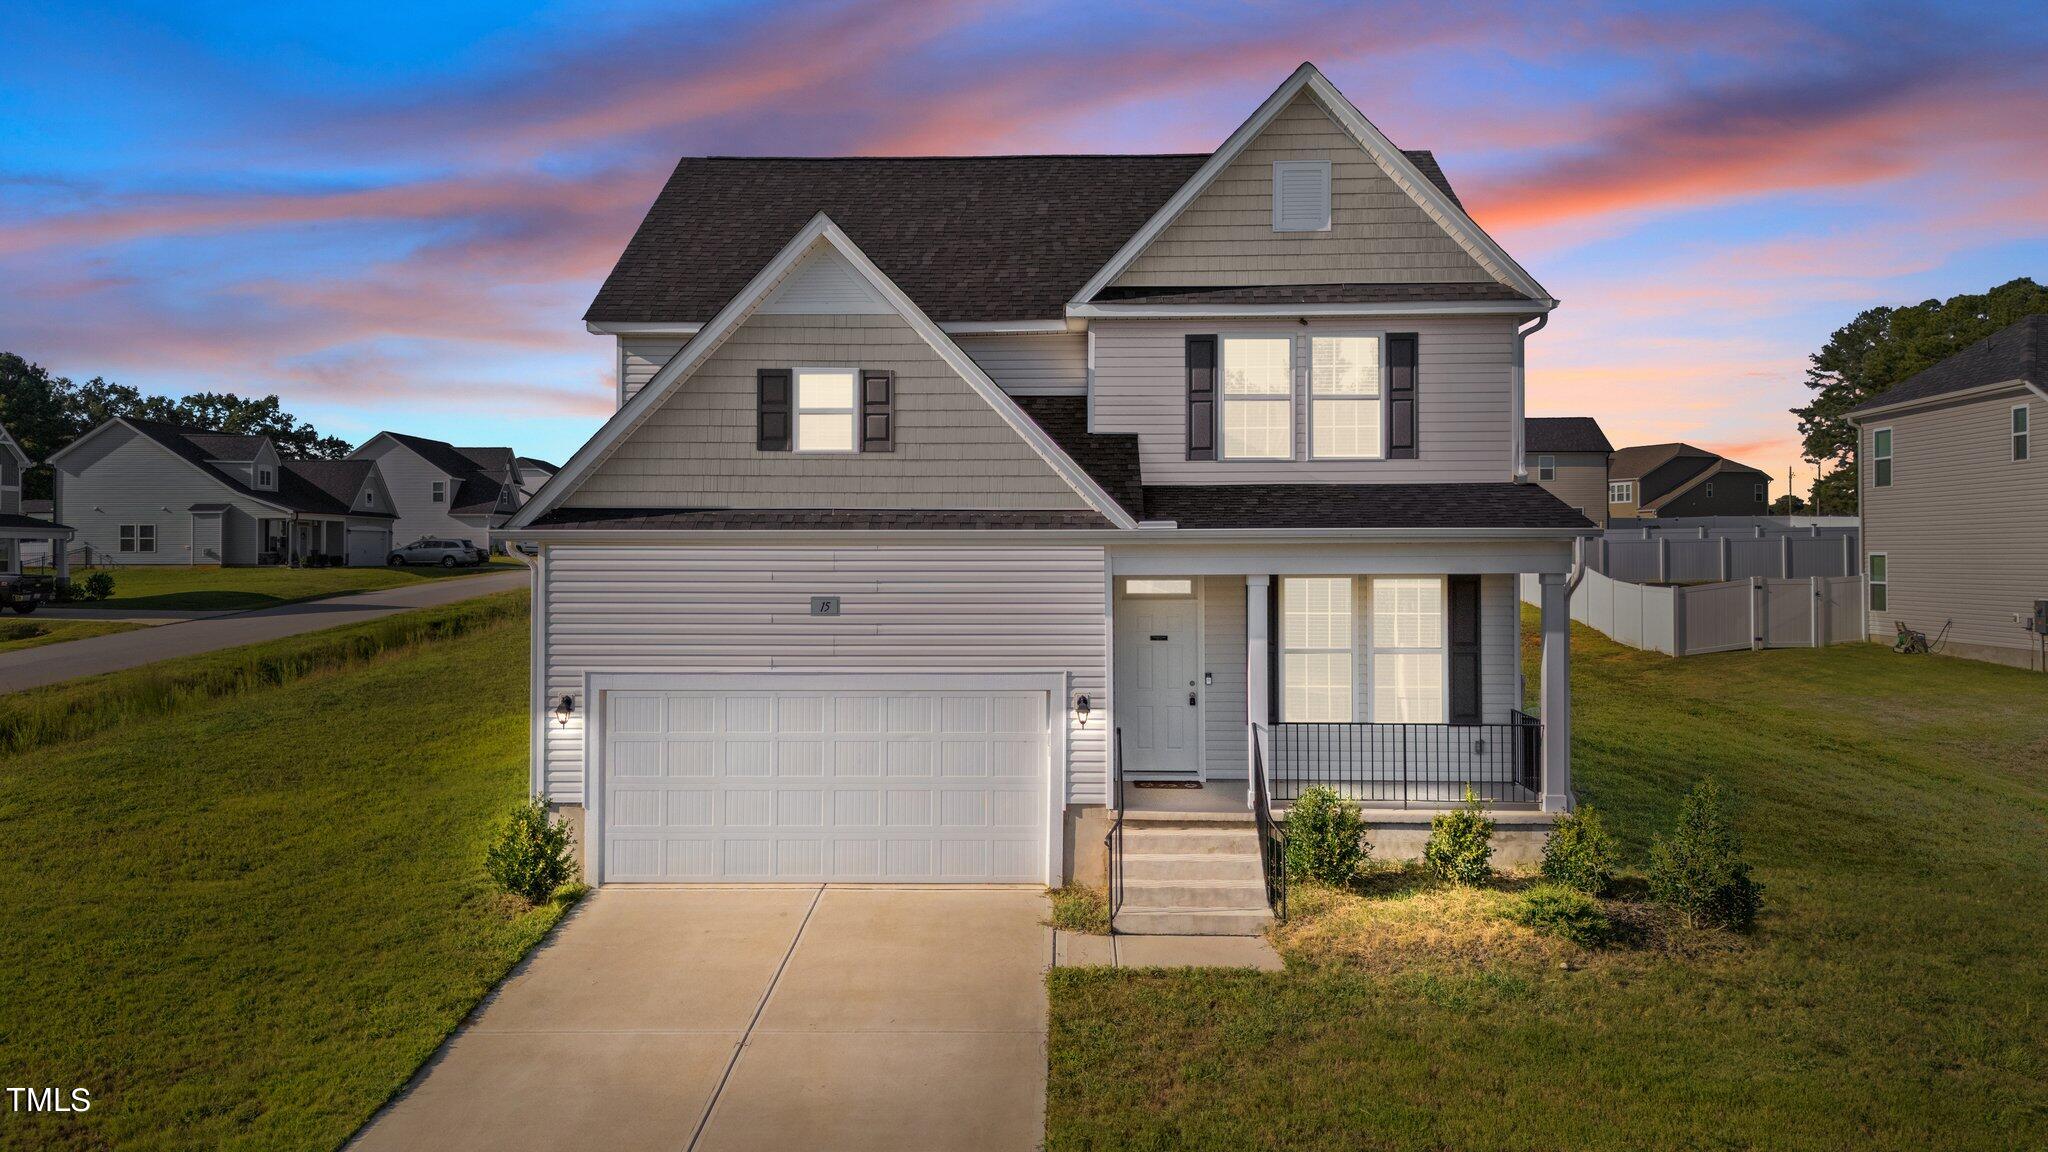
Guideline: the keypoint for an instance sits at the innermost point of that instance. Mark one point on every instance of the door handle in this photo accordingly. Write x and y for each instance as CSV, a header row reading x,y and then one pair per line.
x,y
1191,699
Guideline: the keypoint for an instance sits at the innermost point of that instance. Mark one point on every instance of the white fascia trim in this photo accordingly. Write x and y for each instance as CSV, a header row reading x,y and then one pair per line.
x,y
1391,159
742,305
650,328
959,328
1226,311
1935,401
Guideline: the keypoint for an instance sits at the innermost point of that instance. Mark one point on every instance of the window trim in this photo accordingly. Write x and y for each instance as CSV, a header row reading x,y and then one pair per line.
x,y
1874,590
1224,400
797,410
1546,468
1329,194
130,538
437,492
265,478
1710,490
1350,651
1882,471
1761,492
1627,489
1134,586
1308,370
1442,651
2020,428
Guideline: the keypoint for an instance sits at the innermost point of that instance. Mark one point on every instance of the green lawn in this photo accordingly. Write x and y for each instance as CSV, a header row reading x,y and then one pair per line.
x,y
244,923
211,588
20,632
1895,995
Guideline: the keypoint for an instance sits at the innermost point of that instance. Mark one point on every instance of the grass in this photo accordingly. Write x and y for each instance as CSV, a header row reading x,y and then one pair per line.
x,y
41,717
244,923
212,588
1079,908
18,633
1892,997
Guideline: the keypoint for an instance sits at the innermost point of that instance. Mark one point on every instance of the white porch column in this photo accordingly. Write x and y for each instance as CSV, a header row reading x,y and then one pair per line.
x,y
1556,690
1258,689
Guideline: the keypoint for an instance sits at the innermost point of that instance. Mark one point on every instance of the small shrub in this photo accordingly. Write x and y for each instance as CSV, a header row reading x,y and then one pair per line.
x,y
67,591
1460,843
1580,854
1079,908
531,856
1699,872
99,585
1325,837
1566,913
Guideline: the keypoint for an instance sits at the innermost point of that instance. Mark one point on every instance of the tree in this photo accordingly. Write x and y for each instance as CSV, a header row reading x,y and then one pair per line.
x,y
45,413
1788,505
1883,346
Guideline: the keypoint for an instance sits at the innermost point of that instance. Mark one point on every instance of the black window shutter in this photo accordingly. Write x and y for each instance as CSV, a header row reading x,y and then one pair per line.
x,y
1464,649
1201,358
1273,641
772,409
878,411
1401,362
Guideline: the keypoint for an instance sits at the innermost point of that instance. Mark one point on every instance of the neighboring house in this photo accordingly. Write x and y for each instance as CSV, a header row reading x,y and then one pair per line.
x,y
532,474
146,492
27,532
938,482
1955,499
1656,480
442,490
1568,456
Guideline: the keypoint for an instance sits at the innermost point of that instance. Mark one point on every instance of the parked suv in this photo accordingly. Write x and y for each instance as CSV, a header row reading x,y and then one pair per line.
x,y
25,594
446,553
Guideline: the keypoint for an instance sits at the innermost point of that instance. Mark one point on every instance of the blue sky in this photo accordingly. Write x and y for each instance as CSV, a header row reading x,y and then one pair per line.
x,y
394,216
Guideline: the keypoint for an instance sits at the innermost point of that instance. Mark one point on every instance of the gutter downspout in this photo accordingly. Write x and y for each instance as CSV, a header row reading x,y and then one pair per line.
x,y
1518,453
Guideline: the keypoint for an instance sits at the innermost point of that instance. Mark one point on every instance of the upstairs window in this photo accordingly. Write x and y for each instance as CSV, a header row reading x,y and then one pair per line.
x,y
1344,411
2019,432
440,494
1621,492
1301,196
1710,489
264,478
1315,650
824,410
1759,491
1258,397
1881,457
1546,467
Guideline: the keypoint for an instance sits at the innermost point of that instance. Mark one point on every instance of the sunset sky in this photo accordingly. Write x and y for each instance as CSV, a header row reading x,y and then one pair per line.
x,y
394,216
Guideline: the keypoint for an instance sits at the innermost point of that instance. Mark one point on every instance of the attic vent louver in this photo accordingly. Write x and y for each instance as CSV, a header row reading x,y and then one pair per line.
x,y
1301,196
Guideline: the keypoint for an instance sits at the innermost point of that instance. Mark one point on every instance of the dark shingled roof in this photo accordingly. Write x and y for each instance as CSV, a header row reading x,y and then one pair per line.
x,y
815,519
970,238
336,480
1564,434
2018,352
226,446
1453,506
1311,294
1111,461
297,490
10,520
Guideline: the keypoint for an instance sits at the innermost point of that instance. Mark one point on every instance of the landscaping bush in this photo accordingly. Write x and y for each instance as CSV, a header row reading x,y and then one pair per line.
x,y
1325,837
1699,872
1580,854
532,855
67,591
1564,912
99,586
1460,843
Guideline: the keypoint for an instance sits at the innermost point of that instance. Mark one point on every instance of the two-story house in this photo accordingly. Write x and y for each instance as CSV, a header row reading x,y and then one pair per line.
x,y
20,529
146,492
1568,457
950,499
445,492
1954,505
1662,480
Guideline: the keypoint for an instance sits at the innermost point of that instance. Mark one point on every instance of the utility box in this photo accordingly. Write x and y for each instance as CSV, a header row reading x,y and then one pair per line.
x,y
2040,623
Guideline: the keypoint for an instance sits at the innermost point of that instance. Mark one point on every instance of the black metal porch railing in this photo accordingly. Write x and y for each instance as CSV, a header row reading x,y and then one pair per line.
x,y
1113,840
1272,834
1410,763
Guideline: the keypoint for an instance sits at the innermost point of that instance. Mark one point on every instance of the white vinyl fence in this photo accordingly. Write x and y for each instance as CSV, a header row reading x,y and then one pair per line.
x,y
1724,616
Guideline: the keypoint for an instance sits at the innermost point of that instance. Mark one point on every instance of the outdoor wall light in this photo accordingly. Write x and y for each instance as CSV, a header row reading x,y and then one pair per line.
x,y
1082,707
564,710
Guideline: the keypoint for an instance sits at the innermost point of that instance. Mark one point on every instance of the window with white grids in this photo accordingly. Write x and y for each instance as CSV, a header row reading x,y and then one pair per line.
x,y
1258,397
1344,405
1315,649
1408,664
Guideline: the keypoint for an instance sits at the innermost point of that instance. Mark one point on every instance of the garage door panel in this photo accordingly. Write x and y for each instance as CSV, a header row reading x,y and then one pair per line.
x,y
816,786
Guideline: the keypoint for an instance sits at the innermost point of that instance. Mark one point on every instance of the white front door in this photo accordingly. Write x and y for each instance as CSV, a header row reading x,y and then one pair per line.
x,y
1158,703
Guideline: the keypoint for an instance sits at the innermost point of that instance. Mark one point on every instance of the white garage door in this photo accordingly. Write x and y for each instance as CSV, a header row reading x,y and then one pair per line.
x,y
368,546
906,787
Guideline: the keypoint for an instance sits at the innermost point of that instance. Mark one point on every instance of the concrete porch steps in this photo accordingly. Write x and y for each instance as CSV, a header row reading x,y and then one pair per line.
x,y
1192,874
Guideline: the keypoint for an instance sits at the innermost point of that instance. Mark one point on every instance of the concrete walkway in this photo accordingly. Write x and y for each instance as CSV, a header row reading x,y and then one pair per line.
x,y
53,663
1083,950
716,1019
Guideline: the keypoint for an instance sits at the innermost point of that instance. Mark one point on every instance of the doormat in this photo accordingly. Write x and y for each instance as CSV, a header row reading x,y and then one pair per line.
x,y
1166,783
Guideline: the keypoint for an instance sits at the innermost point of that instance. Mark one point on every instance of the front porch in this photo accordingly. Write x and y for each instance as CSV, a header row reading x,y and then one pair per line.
x,y
296,540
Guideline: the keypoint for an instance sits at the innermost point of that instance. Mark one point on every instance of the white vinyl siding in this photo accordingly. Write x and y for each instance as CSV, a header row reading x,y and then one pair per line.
x,y
1054,364
119,478
412,484
1345,416
1464,406
1409,664
641,357
1316,635
1301,196
1258,397
903,609
698,447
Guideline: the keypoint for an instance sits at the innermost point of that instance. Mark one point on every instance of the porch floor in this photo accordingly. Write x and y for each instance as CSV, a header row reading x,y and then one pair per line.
x,y
1228,796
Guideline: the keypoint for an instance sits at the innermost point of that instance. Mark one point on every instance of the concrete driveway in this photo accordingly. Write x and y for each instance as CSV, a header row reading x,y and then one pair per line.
x,y
737,1018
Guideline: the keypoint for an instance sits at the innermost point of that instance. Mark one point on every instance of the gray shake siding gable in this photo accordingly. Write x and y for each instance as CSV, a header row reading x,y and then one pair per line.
x,y
1963,526
1464,403
698,449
